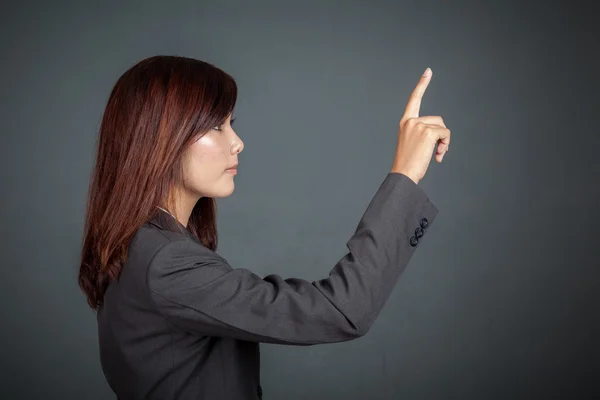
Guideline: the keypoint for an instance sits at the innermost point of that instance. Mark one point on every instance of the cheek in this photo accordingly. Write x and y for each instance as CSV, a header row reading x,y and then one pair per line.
x,y
205,158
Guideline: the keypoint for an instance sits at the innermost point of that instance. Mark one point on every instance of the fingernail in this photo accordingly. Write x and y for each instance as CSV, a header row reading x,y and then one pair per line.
x,y
427,72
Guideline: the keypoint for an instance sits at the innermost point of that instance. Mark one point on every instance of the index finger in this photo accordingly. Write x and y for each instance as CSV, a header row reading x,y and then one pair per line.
x,y
414,102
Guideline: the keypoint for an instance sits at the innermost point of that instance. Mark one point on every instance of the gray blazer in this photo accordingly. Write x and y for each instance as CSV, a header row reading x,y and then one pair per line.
x,y
181,323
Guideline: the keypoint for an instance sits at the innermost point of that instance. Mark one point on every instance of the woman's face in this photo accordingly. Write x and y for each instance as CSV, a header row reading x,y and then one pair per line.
x,y
206,162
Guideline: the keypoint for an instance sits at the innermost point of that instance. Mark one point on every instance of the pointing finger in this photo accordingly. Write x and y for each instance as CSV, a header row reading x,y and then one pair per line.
x,y
414,102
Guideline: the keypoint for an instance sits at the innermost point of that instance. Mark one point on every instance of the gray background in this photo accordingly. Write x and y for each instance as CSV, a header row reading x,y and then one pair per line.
x,y
500,300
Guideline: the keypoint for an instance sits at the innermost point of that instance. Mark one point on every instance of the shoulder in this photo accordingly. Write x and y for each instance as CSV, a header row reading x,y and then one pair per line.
x,y
164,251
175,264
150,240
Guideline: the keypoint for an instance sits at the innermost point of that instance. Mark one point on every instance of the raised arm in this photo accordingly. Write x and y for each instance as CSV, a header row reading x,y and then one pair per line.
x,y
198,291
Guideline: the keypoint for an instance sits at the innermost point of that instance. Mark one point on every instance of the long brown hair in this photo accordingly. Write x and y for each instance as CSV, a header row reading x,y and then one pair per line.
x,y
156,109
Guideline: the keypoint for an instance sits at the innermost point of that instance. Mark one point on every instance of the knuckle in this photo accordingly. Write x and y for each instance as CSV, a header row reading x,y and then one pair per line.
x,y
407,123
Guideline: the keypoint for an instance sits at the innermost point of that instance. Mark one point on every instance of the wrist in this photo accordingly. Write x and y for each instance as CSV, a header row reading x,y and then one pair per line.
x,y
410,175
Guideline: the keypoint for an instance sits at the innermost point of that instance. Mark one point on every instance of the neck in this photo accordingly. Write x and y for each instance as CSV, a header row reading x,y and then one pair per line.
x,y
183,207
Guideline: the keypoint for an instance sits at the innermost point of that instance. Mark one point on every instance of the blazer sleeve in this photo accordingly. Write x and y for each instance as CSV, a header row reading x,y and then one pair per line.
x,y
199,292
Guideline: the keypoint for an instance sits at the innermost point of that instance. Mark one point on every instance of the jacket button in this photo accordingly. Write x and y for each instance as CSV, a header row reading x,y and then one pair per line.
x,y
424,223
419,232
414,241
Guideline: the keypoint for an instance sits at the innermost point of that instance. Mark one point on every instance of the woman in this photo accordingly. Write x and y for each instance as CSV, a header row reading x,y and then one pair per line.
x,y
175,320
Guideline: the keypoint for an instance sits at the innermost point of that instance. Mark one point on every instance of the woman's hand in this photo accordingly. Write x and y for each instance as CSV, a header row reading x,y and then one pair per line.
x,y
418,136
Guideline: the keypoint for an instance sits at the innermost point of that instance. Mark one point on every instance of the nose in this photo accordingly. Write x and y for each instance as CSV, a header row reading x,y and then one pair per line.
x,y
237,146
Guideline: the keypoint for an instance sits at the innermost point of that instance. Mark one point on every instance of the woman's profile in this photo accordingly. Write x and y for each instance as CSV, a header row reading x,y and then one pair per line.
x,y
175,319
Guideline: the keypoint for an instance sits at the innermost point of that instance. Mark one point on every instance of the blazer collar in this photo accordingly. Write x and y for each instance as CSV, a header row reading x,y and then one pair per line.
x,y
165,221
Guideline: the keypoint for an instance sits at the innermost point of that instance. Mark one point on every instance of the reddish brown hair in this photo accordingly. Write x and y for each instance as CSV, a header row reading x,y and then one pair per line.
x,y
156,109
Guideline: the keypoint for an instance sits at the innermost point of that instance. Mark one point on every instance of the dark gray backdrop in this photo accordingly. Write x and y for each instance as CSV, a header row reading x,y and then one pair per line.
x,y
500,301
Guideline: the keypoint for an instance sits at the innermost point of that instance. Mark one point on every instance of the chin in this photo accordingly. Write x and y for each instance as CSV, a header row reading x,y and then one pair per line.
x,y
216,192
226,191
218,188
222,195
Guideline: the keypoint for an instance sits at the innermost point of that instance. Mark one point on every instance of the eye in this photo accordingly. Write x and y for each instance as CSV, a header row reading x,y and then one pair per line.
x,y
218,127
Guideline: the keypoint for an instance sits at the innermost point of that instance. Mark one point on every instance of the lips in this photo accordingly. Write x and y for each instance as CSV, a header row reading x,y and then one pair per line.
x,y
233,167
